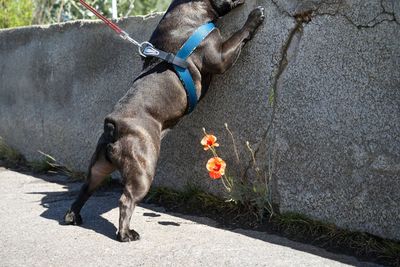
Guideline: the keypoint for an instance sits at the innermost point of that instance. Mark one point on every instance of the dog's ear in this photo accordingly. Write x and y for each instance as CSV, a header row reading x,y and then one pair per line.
x,y
222,7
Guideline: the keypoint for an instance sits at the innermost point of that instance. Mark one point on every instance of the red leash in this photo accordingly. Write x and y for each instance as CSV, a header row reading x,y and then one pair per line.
x,y
145,48
106,21
150,50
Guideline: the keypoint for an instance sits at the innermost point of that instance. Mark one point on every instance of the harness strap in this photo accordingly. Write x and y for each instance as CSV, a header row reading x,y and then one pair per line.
x,y
151,51
186,50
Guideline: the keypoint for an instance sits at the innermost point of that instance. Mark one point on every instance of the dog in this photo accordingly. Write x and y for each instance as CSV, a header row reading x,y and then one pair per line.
x,y
130,142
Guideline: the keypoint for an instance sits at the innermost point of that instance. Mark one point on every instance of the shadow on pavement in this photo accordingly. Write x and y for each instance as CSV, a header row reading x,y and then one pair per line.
x,y
263,236
57,203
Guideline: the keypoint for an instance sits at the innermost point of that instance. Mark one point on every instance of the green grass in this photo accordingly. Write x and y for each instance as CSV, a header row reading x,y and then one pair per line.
x,y
190,199
328,235
48,164
9,155
14,13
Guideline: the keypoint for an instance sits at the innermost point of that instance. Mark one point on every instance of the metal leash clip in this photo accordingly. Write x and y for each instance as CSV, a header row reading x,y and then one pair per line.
x,y
147,49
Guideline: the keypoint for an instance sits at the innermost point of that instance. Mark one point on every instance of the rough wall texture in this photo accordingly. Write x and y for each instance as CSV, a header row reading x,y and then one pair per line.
x,y
316,93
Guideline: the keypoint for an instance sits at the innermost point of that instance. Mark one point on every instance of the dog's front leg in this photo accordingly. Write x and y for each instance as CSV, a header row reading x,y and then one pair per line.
x,y
220,56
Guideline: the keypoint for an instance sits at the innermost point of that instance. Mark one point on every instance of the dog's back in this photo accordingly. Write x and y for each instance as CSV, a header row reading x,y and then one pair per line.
x,y
181,19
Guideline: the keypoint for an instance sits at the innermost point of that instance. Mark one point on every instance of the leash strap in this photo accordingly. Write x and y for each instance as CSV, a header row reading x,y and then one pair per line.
x,y
104,19
145,48
187,49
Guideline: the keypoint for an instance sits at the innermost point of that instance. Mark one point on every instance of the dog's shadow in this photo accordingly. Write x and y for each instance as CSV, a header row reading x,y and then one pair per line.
x,y
102,201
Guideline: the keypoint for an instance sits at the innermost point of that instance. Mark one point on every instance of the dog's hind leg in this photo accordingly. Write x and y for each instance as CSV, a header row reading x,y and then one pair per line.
x,y
132,195
137,168
100,167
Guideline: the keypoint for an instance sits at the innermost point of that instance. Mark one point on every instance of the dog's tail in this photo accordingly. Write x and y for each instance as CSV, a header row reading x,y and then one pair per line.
x,y
109,138
110,131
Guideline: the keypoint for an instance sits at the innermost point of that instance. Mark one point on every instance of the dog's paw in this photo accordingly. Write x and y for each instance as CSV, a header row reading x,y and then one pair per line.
x,y
127,236
238,2
70,218
257,16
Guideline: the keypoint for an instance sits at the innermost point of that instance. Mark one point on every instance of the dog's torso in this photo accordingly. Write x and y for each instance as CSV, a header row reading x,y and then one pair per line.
x,y
159,91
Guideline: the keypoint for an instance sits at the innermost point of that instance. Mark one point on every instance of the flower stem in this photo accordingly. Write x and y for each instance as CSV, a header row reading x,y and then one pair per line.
x,y
234,143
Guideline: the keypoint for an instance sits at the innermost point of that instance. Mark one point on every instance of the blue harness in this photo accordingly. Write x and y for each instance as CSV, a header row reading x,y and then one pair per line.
x,y
179,61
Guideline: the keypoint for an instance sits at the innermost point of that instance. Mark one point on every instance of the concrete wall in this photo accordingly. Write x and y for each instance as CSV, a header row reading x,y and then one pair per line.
x,y
332,137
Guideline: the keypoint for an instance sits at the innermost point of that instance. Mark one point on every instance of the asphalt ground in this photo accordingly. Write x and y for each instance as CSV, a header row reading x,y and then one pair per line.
x,y
31,208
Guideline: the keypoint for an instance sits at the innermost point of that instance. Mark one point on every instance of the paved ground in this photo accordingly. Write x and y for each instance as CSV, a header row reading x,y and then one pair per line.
x,y
30,234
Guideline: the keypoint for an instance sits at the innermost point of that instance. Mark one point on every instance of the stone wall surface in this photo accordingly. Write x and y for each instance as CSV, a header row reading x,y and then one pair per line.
x,y
316,93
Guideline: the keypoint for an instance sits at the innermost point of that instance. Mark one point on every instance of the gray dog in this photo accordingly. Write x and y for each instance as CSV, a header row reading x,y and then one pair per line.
x,y
157,100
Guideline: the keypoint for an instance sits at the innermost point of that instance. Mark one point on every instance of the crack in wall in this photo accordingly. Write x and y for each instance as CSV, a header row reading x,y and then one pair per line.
x,y
384,11
371,24
301,19
280,9
315,11
383,16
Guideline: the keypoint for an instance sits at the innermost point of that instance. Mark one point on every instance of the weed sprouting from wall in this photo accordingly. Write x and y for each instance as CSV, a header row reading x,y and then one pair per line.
x,y
48,164
10,155
250,188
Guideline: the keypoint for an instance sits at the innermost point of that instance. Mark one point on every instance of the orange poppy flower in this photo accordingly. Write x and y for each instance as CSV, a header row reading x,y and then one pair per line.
x,y
209,141
216,166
